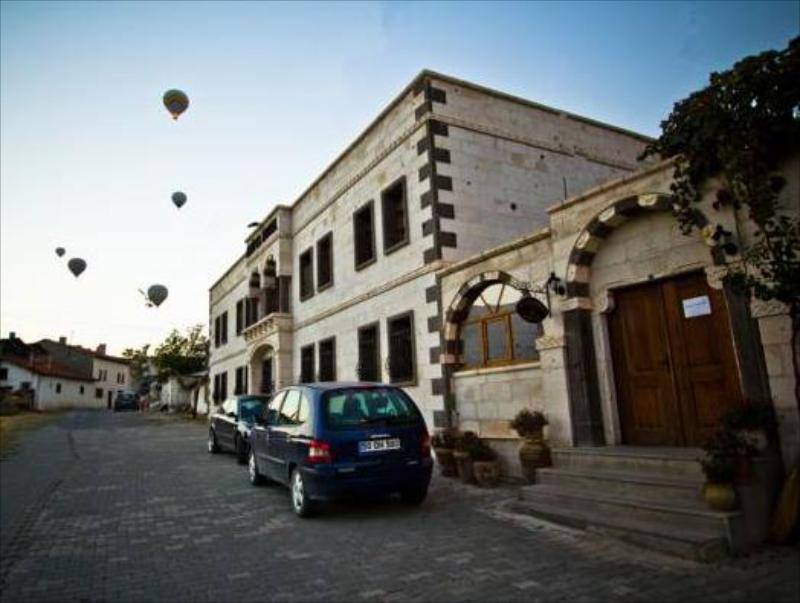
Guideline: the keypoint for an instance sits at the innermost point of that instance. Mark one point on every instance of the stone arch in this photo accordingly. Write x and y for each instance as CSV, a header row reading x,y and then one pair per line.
x,y
600,228
459,308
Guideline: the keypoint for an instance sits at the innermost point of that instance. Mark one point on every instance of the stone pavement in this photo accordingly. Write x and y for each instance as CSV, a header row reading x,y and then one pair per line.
x,y
130,507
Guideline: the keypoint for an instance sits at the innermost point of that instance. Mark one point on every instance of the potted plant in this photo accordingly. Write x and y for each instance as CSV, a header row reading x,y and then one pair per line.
x,y
753,423
718,490
464,444
720,468
533,452
485,465
443,443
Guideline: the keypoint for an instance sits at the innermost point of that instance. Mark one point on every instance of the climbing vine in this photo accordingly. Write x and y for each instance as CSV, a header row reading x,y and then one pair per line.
x,y
738,131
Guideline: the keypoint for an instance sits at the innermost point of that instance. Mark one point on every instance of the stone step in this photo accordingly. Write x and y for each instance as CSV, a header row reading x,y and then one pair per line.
x,y
663,462
700,520
674,490
669,539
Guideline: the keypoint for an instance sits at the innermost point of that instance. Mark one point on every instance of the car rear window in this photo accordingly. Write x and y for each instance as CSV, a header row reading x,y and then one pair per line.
x,y
359,407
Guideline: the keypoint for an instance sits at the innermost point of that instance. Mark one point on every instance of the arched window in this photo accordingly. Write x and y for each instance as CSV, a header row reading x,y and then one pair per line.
x,y
493,334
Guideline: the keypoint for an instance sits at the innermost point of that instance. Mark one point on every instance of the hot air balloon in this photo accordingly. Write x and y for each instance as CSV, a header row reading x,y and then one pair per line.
x,y
176,102
60,251
76,266
156,294
179,198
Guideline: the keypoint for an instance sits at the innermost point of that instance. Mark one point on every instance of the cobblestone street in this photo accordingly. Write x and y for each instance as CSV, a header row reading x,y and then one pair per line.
x,y
101,506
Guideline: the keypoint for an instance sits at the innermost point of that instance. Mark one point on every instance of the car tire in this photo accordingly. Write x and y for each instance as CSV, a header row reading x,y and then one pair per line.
x,y
241,449
213,446
414,496
302,505
255,477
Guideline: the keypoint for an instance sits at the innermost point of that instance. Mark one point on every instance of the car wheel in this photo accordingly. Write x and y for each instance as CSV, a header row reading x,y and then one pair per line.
x,y
241,450
414,496
302,505
213,447
255,477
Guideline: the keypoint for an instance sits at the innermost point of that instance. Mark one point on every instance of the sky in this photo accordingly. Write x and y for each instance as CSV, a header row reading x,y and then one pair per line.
x,y
89,158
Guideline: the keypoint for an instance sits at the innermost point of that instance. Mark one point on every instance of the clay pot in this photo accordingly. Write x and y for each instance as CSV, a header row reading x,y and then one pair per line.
x,y
533,454
487,473
720,497
447,464
464,466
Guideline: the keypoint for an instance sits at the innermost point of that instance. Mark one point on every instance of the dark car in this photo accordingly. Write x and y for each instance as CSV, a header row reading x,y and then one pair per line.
x,y
126,400
329,441
230,426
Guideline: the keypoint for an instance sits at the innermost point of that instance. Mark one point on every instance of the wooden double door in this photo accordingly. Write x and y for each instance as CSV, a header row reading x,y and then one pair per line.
x,y
674,363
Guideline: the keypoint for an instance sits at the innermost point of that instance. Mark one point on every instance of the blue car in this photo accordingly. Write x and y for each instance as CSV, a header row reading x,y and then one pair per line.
x,y
329,441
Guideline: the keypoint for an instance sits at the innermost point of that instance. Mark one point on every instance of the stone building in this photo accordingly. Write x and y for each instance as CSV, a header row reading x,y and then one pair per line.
x,y
342,284
643,351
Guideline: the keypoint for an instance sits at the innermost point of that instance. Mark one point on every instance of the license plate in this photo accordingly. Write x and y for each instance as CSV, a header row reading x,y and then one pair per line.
x,y
378,445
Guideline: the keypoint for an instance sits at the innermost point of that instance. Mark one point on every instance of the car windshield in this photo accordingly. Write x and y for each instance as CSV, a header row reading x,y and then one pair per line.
x,y
359,407
251,408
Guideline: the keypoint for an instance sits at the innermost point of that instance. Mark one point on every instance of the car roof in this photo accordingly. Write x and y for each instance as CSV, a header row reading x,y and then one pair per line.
x,y
329,385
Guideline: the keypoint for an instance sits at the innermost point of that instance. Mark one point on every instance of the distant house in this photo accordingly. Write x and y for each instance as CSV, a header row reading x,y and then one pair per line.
x,y
60,374
28,370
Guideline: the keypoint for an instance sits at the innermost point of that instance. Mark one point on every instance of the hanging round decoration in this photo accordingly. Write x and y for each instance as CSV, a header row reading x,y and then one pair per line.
x,y
531,309
60,251
176,102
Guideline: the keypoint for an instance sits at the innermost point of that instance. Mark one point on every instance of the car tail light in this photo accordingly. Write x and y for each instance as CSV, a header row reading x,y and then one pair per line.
x,y
319,452
426,445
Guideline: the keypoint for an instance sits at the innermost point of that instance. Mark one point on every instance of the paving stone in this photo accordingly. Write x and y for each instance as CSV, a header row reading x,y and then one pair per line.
x,y
143,513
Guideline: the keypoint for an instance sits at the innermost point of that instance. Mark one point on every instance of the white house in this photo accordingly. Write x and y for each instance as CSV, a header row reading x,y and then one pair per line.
x,y
52,385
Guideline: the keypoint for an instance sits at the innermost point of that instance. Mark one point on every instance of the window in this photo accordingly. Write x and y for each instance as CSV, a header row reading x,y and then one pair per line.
x,y
218,331
327,359
364,235
352,408
369,353
3,373
395,216
493,334
82,389
224,324
241,381
307,274
58,388
325,262
239,316
290,409
274,408
307,364
250,312
220,386
98,393
401,348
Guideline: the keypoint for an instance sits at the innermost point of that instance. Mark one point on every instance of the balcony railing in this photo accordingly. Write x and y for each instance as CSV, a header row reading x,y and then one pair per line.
x,y
266,326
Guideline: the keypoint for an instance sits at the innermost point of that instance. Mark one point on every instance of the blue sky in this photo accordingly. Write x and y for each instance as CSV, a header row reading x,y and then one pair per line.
x,y
89,158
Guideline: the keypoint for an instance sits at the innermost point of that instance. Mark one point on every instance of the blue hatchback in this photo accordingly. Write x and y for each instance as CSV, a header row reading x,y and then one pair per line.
x,y
329,441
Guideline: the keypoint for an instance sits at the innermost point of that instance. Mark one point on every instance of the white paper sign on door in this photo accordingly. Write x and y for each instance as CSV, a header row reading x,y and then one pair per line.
x,y
696,306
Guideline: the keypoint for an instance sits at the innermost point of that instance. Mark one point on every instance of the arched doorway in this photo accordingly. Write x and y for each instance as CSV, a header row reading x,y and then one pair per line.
x,y
262,371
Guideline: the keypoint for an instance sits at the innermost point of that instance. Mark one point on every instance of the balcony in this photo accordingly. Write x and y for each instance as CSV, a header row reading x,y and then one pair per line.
x,y
271,324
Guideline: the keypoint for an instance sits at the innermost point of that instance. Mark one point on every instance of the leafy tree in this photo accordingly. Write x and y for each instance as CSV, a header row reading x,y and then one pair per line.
x,y
738,130
139,359
182,354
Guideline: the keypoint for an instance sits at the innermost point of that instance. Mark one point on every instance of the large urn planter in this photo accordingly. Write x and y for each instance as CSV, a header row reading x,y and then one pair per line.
x,y
720,497
464,466
721,465
443,443
533,453
484,464
447,463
